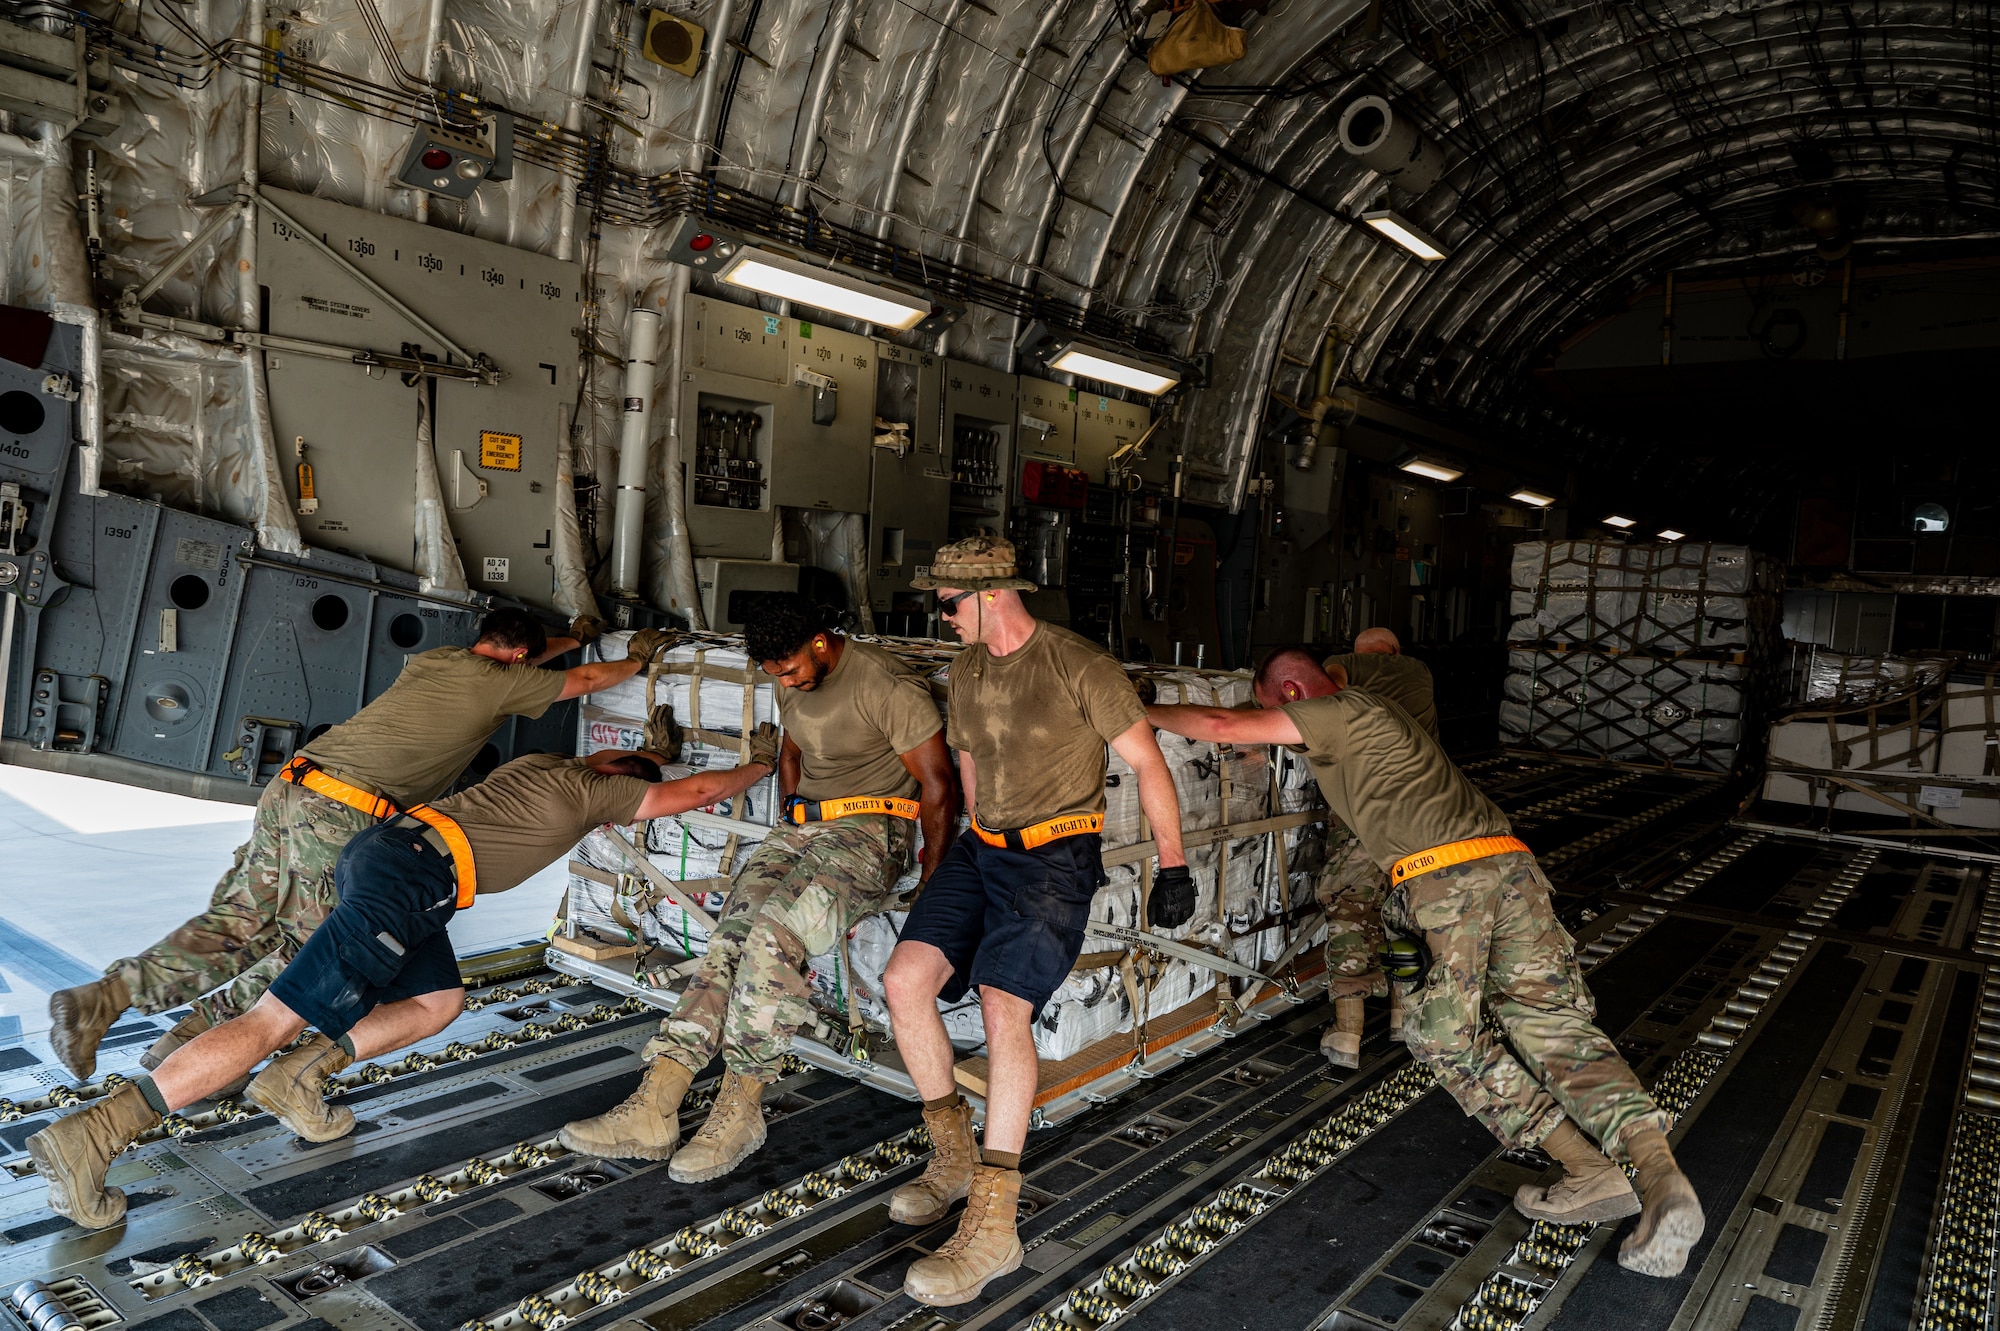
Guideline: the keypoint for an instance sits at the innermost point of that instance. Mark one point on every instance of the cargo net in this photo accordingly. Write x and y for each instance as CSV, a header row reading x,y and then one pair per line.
x,y
1680,713
1253,821
1719,601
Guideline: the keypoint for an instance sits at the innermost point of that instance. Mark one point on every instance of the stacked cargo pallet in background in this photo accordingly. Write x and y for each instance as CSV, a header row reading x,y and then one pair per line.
x,y
1654,654
1916,739
638,914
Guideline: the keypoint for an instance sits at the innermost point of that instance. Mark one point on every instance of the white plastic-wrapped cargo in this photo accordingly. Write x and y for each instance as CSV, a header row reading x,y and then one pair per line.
x,y
1834,677
1969,748
1685,712
1574,591
1680,596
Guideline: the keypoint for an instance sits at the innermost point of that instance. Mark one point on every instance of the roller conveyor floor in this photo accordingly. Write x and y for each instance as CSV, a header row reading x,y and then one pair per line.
x,y
1819,1013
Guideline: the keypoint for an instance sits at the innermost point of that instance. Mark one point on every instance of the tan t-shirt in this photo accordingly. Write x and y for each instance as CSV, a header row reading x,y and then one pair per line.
x,y
869,709
529,813
1403,680
1036,722
1387,780
412,742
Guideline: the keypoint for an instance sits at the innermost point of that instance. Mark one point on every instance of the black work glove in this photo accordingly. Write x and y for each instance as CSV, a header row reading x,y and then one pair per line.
x,y
1172,903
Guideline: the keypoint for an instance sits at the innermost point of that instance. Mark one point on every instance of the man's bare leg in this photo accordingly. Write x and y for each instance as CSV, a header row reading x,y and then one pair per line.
x,y
405,1021
223,1053
1013,1071
917,973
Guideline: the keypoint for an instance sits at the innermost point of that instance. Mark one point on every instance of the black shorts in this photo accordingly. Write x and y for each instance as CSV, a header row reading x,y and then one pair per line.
x,y
1009,919
385,941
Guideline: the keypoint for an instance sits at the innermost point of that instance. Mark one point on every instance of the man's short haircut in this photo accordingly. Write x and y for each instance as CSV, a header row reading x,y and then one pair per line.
x,y
1378,641
1283,664
780,623
633,764
514,630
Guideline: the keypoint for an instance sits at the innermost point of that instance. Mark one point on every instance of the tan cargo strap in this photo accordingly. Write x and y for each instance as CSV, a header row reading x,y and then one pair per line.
x,y
455,844
857,1029
1041,834
303,771
1456,852
801,811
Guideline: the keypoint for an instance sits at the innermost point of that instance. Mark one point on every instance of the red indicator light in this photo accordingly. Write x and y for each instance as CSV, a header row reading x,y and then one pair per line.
x,y
436,159
701,241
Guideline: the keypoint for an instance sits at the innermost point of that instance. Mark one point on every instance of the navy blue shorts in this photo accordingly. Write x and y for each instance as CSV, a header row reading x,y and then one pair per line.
x,y
385,941
1009,919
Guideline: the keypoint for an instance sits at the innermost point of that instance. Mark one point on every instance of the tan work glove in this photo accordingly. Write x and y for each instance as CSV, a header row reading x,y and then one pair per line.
x,y
587,628
664,735
647,644
764,742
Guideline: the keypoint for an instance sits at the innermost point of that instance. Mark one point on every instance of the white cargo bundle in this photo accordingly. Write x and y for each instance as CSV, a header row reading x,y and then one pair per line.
x,y
1684,712
1673,597
1969,747
1241,896
1888,746
1834,677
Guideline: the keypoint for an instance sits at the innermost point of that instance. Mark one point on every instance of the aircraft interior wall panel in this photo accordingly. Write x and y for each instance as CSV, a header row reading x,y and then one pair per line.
x,y
1054,406
822,441
494,444
981,420
1103,426
909,504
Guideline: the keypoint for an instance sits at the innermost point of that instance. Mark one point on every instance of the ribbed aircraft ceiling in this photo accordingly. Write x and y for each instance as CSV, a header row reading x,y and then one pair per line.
x,y
1589,149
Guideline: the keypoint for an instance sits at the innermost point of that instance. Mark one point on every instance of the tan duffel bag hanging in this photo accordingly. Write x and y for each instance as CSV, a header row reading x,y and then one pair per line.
x,y
1196,40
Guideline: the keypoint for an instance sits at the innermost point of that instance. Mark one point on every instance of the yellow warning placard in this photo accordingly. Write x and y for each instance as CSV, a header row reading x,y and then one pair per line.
x,y
501,452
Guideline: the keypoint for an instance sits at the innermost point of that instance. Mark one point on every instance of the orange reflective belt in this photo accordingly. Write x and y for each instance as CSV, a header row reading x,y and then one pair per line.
x,y
1040,834
1456,852
455,842
303,771
824,811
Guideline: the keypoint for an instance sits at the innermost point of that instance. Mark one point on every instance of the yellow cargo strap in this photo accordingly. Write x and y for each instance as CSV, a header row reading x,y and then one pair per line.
x,y
1456,852
1040,834
825,811
456,844
303,771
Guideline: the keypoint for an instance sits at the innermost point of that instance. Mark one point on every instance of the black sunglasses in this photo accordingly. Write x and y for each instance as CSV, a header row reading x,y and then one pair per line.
x,y
948,605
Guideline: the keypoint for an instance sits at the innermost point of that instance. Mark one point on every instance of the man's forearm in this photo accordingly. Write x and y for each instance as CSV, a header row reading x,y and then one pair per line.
x,y
1162,804
939,819
1193,721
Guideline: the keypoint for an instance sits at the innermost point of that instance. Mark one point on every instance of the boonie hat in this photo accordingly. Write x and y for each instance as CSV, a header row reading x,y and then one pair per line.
x,y
981,563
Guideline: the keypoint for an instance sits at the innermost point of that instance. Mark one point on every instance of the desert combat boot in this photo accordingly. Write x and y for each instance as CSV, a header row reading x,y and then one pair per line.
x,y
1671,1223
948,1176
293,1087
1592,1189
735,1129
1342,1042
985,1247
646,1127
73,1153
81,1016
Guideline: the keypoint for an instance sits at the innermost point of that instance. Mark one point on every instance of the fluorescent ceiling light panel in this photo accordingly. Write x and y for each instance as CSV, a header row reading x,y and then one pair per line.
x,y
1111,368
1407,234
1669,534
1534,497
824,289
1615,521
1437,471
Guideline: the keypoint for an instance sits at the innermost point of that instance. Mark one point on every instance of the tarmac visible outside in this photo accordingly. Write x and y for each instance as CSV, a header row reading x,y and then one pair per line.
x,y
91,871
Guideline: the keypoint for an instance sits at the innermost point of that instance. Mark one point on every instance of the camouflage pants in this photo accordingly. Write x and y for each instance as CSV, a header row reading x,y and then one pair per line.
x,y
1351,888
276,893
802,890
1495,942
